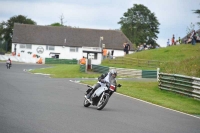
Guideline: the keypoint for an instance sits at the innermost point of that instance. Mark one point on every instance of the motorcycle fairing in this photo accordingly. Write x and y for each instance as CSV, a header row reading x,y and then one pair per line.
x,y
100,90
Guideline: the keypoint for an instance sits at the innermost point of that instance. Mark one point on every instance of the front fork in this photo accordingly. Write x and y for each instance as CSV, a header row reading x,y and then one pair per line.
x,y
102,96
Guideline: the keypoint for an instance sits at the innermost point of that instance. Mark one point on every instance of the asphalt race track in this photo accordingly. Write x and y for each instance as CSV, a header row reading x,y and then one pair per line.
x,y
31,103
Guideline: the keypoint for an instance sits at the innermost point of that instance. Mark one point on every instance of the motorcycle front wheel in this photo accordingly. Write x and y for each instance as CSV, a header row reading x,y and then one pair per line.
x,y
102,103
86,103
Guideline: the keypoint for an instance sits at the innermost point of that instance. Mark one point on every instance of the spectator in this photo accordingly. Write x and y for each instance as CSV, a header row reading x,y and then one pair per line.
x,y
168,43
104,53
179,40
193,37
126,48
145,46
140,48
112,53
83,61
173,40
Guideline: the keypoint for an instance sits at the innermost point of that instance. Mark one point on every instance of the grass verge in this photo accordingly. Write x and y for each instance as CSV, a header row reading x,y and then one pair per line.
x,y
149,91
65,71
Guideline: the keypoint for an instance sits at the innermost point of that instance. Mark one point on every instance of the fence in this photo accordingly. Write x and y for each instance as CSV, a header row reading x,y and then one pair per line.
x,y
82,68
186,85
100,69
60,61
135,62
124,72
149,74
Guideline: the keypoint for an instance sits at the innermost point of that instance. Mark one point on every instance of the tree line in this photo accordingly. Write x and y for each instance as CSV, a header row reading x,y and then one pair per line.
x,y
139,24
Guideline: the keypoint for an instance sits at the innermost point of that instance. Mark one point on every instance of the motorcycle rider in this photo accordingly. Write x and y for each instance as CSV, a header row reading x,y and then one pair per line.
x,y
8,62
103,79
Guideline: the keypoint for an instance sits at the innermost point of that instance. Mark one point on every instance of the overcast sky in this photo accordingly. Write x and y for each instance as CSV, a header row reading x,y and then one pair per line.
x,y
174,15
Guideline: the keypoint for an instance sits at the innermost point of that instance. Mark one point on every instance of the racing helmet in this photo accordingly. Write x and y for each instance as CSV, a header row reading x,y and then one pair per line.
x,y
113,71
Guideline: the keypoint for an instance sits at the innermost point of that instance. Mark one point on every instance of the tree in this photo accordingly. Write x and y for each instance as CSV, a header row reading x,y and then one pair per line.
x,y
6,28
56,24
197,12
140,25
190,28
61,22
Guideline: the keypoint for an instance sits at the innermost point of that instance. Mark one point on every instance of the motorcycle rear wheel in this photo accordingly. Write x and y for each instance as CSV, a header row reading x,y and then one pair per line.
x,y
101,104
86,103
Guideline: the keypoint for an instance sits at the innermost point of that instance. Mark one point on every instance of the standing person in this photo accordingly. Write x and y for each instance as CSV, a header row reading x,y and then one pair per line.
x,y
179,40
112,53
126,48
173,40
168,43
83,61
104,53
193,37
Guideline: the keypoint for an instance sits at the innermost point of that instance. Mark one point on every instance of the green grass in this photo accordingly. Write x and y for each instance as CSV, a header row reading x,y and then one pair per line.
x,y
182,59
149,91
66,71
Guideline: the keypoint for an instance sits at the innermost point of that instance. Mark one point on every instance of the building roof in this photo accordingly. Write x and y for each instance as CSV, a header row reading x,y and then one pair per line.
x,y
65,36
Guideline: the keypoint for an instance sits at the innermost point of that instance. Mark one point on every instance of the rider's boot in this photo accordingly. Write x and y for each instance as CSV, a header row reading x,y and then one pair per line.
x,y
89,94
92,91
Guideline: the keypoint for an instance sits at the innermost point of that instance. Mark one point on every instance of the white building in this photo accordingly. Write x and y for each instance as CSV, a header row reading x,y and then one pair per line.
x,y
66,43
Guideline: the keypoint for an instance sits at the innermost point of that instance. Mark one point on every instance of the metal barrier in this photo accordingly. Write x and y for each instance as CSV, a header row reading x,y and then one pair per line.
x,y
82,68
131,73
60,61
100,69
124,72
186,85
134,62
149,74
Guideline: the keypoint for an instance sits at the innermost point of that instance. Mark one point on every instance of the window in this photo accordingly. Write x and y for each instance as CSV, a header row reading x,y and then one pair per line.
x,y
22,46
28,46
52,48
73,49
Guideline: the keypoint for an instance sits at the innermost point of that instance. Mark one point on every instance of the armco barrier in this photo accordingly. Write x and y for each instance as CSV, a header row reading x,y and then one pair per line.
x,y
124,72
100,69
186,85
149,74
82,68
60,61
131,73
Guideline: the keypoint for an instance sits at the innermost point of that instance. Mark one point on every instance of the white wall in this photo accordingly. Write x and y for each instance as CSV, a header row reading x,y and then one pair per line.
x,y
64,53
119,52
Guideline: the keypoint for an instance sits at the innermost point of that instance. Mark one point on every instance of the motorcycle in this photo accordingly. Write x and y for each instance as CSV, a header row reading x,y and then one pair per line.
x,y
8,65
100,97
